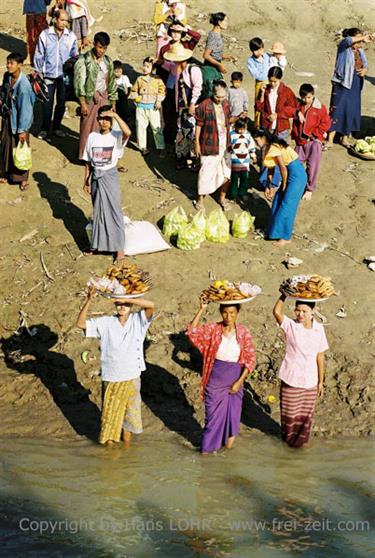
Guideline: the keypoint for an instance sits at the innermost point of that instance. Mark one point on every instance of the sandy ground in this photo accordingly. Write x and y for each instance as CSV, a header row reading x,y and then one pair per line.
x,y
46,388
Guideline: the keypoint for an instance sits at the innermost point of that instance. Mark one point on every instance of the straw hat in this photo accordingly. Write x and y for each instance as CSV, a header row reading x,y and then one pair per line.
x,y
178,53
278,48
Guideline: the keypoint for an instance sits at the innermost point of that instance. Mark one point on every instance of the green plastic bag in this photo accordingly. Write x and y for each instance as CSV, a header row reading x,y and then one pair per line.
x,y
199,222
22,156
242,224
174,221
189,238
217,227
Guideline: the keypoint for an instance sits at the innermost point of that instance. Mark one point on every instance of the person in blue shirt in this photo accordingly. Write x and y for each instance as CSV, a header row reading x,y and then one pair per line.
x,y
36,22
56,45
121,346
17,117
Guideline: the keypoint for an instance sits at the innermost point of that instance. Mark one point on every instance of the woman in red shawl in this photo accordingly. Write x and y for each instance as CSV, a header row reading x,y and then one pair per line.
x,y
228,357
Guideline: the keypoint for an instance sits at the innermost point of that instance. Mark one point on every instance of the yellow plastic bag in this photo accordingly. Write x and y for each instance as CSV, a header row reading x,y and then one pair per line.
x,y
189,238
217,227
174,221
22,156
242,224
199,222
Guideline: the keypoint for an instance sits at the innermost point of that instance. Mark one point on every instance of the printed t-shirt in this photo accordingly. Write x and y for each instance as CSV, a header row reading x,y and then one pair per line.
x,y
103,151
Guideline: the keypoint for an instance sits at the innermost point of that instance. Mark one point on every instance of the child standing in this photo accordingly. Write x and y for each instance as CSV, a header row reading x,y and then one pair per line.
x,y
123,90
237,97
148,93
260,62
185,140
242,150
82,20
310,126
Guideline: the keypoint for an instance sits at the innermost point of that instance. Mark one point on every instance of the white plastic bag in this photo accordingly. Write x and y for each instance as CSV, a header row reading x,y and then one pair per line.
x,y
142,237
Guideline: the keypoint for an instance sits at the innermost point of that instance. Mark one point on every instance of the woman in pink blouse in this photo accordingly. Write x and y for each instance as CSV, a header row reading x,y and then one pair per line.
x,y
228,357
302,370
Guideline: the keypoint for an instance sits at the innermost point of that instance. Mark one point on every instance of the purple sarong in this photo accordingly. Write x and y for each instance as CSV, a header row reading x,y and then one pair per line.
x,y
223,410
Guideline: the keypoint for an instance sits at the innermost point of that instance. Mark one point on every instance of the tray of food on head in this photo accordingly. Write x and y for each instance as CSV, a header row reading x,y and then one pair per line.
x,y
311,288
122,281
226,292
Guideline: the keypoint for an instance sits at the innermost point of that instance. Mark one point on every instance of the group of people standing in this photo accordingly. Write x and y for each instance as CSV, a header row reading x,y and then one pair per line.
x,y
194,114
229,357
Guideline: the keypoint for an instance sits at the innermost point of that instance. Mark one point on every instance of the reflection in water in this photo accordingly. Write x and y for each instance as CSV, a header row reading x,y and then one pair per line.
x,y
161,499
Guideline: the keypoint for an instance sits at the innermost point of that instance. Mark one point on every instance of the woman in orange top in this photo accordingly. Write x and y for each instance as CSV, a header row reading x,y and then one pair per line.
x,y
276,152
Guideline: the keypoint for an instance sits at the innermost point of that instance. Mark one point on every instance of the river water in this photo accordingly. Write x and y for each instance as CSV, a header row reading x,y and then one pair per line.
x,y
160,498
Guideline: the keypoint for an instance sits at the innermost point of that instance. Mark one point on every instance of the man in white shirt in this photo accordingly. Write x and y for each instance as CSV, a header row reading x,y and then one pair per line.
x,y
122,361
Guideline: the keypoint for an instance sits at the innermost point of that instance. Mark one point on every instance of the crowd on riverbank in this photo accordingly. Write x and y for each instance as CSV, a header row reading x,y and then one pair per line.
x,y
193,128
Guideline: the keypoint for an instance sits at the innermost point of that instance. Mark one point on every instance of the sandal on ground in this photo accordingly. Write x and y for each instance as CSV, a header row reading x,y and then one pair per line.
x,y
3,180
198,205
225,205
24,186
122,169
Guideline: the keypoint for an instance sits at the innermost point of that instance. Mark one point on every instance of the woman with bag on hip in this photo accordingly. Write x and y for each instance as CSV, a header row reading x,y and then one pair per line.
x,y
16,106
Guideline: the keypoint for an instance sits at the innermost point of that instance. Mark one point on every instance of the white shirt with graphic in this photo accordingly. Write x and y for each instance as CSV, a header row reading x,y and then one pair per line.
x,y
103,151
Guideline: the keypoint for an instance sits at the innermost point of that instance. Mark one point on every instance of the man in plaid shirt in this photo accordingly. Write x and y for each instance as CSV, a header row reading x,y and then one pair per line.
x,y
211,144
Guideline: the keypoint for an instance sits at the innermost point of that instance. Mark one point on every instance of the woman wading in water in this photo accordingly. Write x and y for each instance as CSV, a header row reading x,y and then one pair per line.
x,y
228,357
302,370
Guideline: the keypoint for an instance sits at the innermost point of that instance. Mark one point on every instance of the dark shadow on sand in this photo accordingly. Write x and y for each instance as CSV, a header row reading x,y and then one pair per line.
x,y
57,373
163,394
59,199
12,44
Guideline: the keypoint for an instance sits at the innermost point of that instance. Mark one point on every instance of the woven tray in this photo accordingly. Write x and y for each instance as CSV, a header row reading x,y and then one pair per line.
x,y
365,156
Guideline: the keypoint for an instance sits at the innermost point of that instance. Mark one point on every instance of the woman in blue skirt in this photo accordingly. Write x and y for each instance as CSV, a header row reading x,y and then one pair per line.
x,y
347,82
277,153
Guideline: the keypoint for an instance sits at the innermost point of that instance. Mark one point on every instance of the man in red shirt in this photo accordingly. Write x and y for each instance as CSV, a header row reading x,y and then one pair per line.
x,y
310,126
